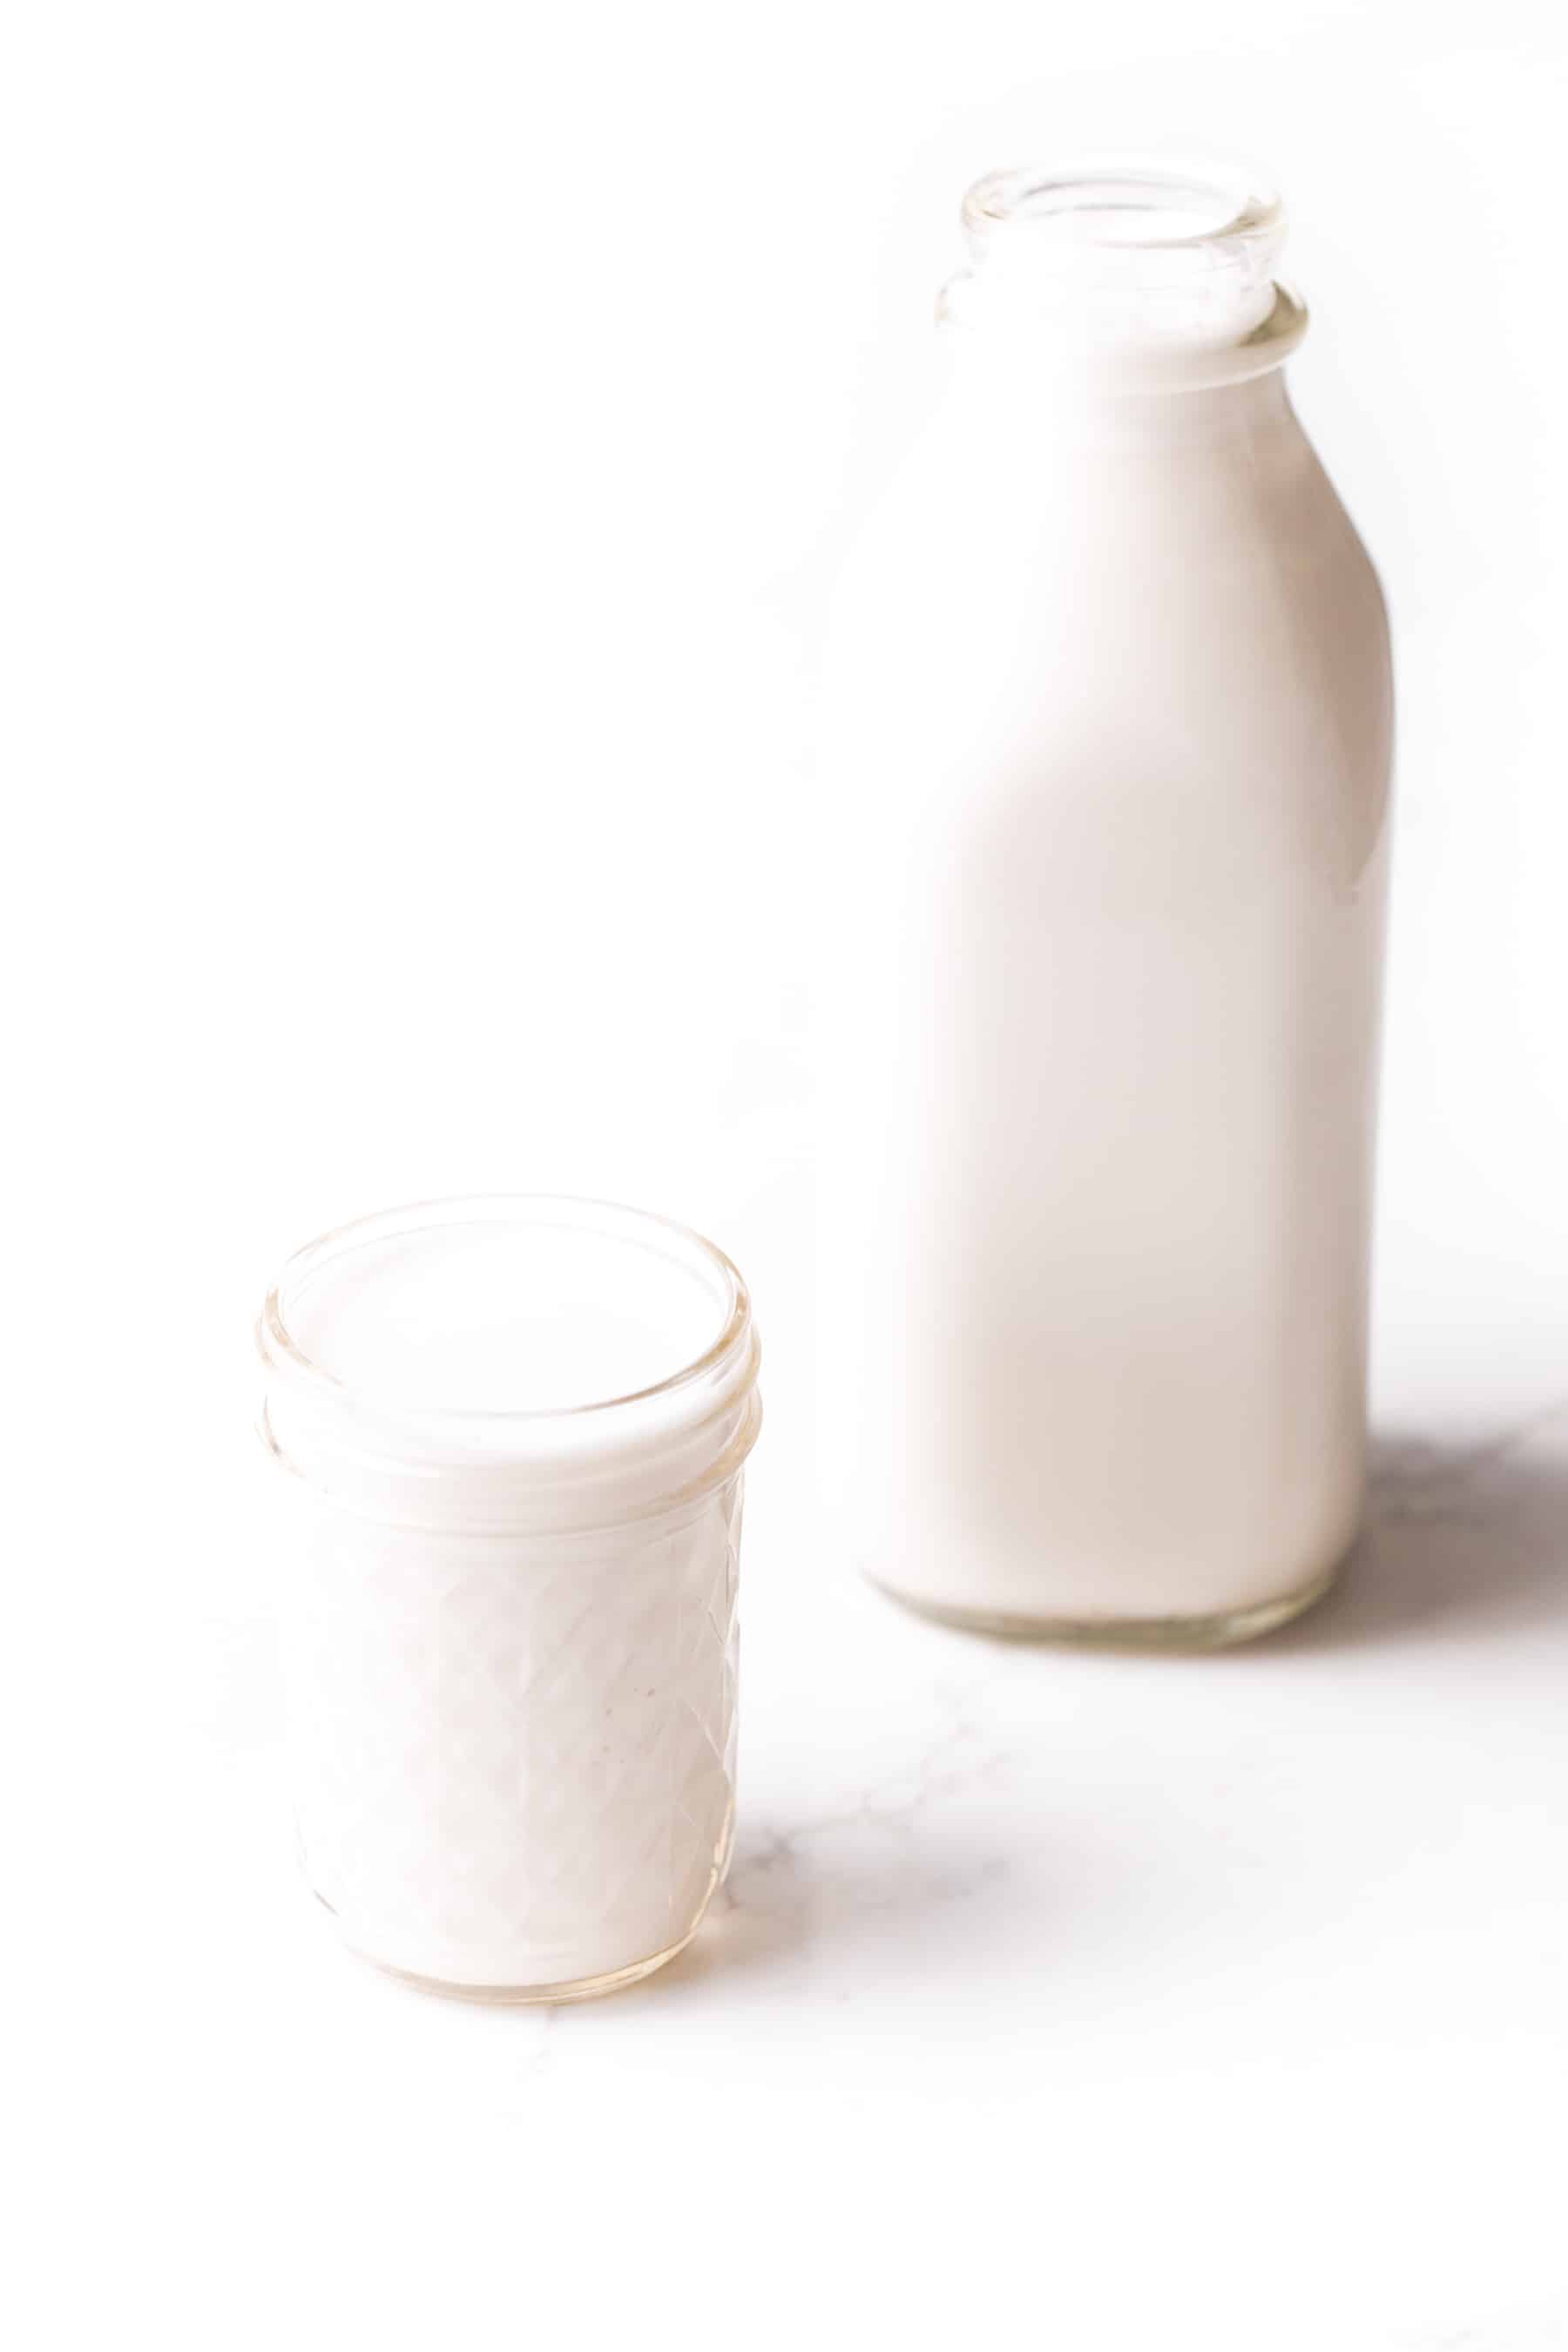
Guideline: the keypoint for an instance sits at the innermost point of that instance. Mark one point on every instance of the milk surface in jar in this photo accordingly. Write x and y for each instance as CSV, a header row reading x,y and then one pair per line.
x,y
1106,744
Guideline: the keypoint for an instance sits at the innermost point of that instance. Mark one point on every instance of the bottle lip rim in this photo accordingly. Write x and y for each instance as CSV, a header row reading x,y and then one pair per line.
x,y
728,1362
1250,206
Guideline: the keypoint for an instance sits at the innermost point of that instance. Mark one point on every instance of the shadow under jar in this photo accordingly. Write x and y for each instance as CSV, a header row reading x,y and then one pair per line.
x,y
1107,737
514,1431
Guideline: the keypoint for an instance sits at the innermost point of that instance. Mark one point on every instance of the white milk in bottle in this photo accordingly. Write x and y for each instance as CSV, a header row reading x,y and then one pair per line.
x,y
1106,753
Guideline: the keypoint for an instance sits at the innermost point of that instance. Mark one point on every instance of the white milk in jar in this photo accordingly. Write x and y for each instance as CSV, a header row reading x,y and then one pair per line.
x,y
514,1431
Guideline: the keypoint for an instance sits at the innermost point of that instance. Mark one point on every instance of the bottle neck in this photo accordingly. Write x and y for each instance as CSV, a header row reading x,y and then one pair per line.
x,y
1114,277
996,395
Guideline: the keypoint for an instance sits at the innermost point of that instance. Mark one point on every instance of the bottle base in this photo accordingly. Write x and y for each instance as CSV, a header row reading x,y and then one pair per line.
x,y
1220,1631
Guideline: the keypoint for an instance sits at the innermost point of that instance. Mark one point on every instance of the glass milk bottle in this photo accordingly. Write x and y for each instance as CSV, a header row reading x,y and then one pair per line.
x,y
1107,747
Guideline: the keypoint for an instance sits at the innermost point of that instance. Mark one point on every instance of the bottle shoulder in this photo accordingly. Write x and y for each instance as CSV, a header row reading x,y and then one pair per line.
x,y
1145,550
1114,636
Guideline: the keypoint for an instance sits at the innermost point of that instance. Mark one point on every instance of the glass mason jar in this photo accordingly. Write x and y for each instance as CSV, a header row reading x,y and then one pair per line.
x,y
1107,728
515,1432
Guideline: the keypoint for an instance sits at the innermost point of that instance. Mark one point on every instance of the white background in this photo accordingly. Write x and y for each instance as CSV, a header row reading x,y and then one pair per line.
x,y
429,432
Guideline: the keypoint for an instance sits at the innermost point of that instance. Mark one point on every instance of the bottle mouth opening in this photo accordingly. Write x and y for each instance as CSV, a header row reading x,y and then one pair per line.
x,y
1129,253
1120,203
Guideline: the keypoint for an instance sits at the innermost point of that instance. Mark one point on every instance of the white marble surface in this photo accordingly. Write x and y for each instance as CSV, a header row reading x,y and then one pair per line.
x,y
1053,1998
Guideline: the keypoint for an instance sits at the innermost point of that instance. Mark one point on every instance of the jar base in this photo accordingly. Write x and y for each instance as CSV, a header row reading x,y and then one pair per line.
x,y
1220,1631
553,1996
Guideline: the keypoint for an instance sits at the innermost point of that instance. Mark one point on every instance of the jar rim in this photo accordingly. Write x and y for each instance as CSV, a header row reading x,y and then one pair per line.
x,y
283,1353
